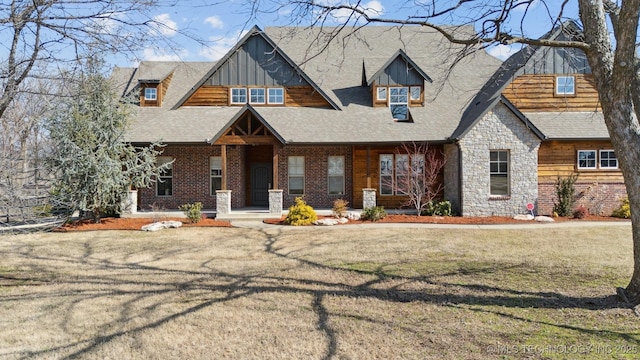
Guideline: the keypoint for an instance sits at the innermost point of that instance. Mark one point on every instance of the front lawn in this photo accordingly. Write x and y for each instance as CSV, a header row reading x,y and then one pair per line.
x,y
318,293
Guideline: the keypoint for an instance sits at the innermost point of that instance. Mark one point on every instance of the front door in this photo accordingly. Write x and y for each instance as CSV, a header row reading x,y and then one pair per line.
x,y
261,174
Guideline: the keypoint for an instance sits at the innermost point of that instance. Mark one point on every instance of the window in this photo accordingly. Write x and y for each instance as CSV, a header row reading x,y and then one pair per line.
x,y
386,174
276,96
335,174
417,170
150,94
499,172
565,85
256,96
215,164
238,96
382,93
164,186
296,175
399,102
415,92
400,173
586,159
608,159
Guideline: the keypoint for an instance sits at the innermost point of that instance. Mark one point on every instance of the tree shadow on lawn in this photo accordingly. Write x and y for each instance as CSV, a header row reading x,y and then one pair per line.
x,y
228,286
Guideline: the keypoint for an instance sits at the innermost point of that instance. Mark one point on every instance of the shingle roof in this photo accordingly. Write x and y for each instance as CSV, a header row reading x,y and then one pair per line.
x,y
338,72
570,125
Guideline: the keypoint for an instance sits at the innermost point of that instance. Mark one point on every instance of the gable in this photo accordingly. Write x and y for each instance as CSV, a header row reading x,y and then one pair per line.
x,y
256,63
399,72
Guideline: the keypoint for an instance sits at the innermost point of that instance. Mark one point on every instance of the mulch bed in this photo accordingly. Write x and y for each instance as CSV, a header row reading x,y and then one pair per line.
x,y
456,220
138,223
134,224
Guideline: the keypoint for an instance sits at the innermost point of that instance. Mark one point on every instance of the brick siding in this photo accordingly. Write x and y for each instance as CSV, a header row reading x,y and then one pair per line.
x,y
191,176
597,198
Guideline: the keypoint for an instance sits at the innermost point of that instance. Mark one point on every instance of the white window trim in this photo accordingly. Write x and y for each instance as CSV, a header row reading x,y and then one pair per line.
x,y
391,176
399,103
600,159
573,79
289,175
160,160
154,91
595,160
379,90
246,97
269,95
264,96
508,173
329,175
406,172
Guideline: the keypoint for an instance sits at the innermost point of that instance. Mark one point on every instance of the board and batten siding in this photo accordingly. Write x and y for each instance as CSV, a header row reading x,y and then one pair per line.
x,y
256,63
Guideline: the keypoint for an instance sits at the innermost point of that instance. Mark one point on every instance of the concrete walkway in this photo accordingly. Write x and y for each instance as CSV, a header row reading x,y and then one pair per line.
x,y
252,224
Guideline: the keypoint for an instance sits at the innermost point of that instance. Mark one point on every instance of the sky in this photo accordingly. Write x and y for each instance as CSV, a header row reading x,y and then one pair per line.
x,y
199,30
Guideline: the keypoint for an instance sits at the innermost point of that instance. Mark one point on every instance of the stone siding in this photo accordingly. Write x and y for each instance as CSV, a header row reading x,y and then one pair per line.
x,y
499,129
452,176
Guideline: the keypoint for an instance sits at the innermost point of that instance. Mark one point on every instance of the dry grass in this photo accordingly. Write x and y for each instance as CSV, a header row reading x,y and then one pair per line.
x,y
317,293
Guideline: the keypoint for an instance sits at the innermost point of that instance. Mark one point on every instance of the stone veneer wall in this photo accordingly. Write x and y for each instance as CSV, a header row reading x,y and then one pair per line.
x,y
452,176
499,129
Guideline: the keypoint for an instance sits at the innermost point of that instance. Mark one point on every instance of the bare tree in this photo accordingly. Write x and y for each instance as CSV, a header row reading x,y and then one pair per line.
x,y
418,172
45,41
608,38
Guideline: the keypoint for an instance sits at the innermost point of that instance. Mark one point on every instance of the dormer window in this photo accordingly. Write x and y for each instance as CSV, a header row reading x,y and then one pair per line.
x,y
151,94
382,93
399,103
565,85
416,93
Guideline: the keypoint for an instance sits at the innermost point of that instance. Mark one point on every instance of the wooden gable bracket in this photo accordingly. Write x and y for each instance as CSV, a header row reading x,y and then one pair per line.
x,y
247,130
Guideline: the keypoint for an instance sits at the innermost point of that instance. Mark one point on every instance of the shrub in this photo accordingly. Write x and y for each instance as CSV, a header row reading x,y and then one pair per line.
x,y
580,212
441,208
192,211
624,210
339,207
373,213
566,192
300,214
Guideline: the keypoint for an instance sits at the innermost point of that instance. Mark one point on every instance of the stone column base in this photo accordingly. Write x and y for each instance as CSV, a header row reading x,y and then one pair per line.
x,y
223,202
368,198
275,202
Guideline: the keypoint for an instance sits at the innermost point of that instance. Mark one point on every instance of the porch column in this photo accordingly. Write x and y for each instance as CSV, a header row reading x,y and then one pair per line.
x,y
275,202
223,155
223,201
274,183
368,166
368,198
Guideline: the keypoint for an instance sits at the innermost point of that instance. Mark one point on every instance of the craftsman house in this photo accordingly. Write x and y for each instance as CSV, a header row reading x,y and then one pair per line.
x,y
278,116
